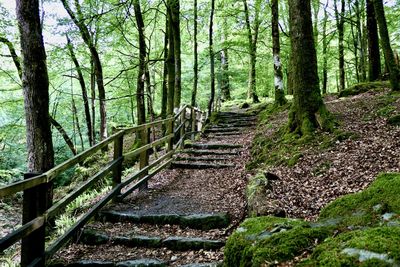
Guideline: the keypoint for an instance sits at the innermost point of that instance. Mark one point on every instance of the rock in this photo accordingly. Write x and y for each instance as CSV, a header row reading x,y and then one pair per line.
x,y
141,263
206,221
138,241
244,105
92,237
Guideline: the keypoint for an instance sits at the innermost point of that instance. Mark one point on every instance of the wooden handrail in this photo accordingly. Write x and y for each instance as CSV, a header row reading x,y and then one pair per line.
x,y
115,166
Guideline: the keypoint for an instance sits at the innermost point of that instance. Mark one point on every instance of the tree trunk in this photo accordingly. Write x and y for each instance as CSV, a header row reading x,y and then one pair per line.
x,y
195,57
340,29
360,36
98,69
386,47
212,63
84,92
325,51
252,38
374,58
93,99
308,110
64,134
225,87
164,93
276,49
171,64
35,84
175,23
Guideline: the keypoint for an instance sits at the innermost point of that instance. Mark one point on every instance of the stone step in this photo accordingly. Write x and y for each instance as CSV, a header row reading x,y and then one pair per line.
x,y
202,221
199,166
228,134
93,237
212,146
209,152
127,263
232,125
222,130
199,159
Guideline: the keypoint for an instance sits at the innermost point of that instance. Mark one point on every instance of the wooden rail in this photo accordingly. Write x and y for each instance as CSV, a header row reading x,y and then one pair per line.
x,y
36,214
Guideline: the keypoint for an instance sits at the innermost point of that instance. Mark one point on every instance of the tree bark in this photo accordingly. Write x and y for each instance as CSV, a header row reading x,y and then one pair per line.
x,y
35,84
195,56
374,58
252,38
340,28
276,48
64,134
164,93
171,64
212,60
325,51
84,92
386,47
308,110
175,23
98,69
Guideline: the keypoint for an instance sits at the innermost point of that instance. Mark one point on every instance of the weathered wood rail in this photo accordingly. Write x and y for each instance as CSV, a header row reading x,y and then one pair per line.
x,y
35,186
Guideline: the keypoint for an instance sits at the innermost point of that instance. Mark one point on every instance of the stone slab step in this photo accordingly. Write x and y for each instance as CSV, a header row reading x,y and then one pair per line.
x,y
222,130
93,237
202,221
199,166
127,263
209,152
213,146
199,159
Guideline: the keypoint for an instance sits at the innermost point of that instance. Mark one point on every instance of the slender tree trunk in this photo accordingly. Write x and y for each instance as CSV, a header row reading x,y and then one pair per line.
x,y
84,92
340,28
171,65
276,49
360,36
93,99
308,110
98,69
355,40
325,51
386,47
252,38
212,60
35,84
195,57
164,92
175,23
225,87
64,134
374,58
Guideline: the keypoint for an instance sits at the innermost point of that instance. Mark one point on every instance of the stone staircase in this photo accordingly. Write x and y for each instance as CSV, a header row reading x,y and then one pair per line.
x,y
163,227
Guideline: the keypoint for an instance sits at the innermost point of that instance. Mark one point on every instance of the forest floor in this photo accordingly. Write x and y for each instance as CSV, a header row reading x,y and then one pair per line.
x,y
332,166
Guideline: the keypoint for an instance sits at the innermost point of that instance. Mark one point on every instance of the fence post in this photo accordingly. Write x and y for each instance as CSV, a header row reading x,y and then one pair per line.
x,y
118,152
144,156
34,205
193,121
170,130
183,128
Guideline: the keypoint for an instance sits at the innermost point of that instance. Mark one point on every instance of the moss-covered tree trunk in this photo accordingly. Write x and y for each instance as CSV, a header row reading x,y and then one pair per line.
x,y
308,110
374,58
225,85
385,42
276,49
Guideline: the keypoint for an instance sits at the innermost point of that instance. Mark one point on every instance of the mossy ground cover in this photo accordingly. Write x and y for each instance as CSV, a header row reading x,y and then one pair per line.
x,y
361,229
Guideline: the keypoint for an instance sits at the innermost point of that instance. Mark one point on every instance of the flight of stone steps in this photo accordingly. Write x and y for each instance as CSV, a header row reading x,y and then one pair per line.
x,y
162,231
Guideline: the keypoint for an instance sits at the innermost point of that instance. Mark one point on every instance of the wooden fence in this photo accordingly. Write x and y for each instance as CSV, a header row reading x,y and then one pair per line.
x,y
36,187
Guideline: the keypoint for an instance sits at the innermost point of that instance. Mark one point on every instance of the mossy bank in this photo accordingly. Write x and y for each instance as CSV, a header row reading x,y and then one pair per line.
x,y
361,229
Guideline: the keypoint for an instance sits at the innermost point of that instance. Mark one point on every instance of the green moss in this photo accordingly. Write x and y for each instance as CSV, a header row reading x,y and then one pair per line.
x,y
367,207
371,247
268,239
364,87
394,120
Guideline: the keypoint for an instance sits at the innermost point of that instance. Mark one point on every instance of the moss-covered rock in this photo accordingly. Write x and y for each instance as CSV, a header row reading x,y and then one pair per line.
x,y
371,247
367,208
364,87
270,239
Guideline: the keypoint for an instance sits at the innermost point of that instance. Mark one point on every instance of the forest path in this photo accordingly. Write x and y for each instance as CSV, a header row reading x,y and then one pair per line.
x,y
185,216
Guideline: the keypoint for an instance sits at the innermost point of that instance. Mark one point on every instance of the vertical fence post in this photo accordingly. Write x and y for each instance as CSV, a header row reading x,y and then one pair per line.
x,y
34,205
193,121
170,130
183,128
144,156
118,152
